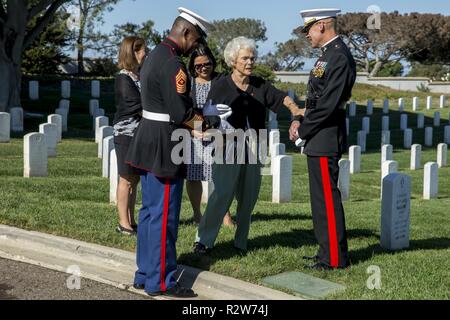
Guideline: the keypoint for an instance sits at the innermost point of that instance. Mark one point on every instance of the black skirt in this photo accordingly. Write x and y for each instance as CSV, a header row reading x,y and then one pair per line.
x,y
121,144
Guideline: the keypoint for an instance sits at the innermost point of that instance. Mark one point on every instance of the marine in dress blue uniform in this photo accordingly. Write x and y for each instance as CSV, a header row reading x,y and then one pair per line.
x,y
323,132
167,106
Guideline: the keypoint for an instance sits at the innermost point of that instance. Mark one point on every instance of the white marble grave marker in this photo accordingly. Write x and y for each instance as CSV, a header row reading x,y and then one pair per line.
x,y
442,155
407,138
95,89
429,103
415,103
385,137
344,179
437,119
282,179
395,212
108,145
420,121
113,177
5,127
385,123
387,151
64,115
16,116
100,122
429,136
65,89
50,131
355,159
56,119
416,157
104,133
366,124
35,155
430,181
34,90
361,140
404,122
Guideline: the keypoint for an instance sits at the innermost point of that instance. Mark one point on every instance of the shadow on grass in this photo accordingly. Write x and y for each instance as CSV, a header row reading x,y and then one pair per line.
x,y
293,239
362,255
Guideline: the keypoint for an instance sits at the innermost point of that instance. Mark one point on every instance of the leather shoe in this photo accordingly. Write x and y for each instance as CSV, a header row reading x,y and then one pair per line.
x,y
175,292
139,286
201,249
321,266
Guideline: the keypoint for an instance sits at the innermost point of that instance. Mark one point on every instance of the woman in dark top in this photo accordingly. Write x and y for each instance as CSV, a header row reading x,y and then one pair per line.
x,y
249,98
129,112
202,66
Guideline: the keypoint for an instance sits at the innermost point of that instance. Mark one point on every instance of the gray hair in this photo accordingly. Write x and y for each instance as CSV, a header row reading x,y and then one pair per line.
x,y
234,46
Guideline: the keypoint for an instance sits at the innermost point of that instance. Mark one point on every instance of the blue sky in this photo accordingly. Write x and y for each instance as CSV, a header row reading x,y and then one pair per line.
x,y
279,16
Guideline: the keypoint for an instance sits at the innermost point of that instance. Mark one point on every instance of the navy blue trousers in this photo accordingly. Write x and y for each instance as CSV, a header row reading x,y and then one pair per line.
x,y
157,233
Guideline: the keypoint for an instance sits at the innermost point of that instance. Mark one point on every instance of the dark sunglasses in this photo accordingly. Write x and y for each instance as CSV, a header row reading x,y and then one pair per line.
x,y
203,65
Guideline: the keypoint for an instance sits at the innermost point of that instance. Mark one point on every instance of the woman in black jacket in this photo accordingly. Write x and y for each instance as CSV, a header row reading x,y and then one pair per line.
x,y
129,112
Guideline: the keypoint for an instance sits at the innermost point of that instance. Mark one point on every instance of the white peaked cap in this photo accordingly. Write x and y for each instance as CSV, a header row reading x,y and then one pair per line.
x,y
313,15
196,20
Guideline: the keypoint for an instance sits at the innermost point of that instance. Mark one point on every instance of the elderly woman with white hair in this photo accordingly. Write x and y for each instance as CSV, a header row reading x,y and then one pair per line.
x,y
249,98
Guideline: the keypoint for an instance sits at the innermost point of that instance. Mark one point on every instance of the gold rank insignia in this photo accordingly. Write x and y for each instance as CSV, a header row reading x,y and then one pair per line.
x,y
181,81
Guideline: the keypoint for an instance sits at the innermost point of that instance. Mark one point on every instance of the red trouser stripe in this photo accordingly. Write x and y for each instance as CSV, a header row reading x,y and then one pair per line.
x,y
332,235
164,235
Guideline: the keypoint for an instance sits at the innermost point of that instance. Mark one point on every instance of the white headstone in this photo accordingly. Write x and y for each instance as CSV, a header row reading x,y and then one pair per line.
x,y
5,127
208,188
403,121
387,168
430,181
50,132
64,115
65,89
56,119
366,124
386,106
361,140
429,136
113,177
401,105
95,89
278,149
387,151
369,110
34,90
64,104
104,133
385,123
415,103
352,109
100,122
355,159
16,116
35,155
447,135
437,119
274,138
395,212
407,138
429,103
108,145
416,157
344,179
93,106
385,137
442,102
420,121
442,155
282,179
97,113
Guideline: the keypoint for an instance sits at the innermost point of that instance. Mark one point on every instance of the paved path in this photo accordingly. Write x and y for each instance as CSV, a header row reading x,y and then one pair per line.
x,y
24,281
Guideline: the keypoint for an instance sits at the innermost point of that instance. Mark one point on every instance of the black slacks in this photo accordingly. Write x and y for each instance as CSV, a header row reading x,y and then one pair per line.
x,y
327,211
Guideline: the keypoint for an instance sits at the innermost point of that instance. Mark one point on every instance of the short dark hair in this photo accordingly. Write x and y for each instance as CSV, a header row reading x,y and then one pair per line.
x,y
202,50
128,47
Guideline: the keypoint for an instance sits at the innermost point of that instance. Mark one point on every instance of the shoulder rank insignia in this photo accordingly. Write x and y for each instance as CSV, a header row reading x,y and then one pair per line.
x,y
319,69
181,81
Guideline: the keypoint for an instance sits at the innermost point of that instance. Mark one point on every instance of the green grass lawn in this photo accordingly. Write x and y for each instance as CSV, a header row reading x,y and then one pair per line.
x,y
73,202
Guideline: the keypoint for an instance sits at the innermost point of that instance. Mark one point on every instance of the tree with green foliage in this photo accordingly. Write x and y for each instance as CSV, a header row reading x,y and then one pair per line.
x,y
46,52
16,35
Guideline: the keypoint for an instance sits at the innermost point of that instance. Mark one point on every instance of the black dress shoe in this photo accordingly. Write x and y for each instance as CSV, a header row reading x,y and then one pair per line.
x,y
321,266
175,292
201,249
139,286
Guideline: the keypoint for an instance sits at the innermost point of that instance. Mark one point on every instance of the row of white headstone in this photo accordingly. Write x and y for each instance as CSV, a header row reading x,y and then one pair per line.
x,y
33,89
401,105
39,146
385,122
407,137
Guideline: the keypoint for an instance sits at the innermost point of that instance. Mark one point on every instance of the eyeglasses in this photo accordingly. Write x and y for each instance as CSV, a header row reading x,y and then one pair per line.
x,y
203,65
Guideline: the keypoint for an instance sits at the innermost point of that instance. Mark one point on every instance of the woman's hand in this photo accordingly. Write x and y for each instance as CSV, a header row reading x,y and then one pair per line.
x,y
293,131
